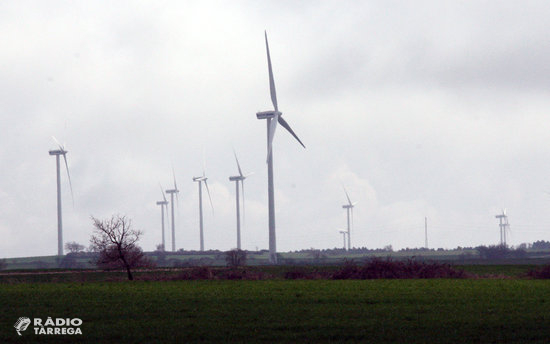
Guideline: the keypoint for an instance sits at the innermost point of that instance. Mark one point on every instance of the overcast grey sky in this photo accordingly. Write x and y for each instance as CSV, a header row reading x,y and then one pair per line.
x,y
421,108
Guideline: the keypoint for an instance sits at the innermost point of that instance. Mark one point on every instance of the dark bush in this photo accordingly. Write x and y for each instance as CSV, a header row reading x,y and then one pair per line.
x,y
208,273
540,273
307,274
389,269
240,274
197,273
349,270
296,274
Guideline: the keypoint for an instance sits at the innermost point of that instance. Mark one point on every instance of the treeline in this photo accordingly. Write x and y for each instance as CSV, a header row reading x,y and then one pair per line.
x,y
491,250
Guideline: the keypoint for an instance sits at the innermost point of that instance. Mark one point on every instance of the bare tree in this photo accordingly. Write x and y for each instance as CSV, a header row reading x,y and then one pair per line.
x,y
115,241
74,247
235,258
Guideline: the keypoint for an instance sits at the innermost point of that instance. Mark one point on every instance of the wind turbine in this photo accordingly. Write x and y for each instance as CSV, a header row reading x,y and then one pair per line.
x,y
200,180
237,179
349,210
57,153
343,232
273,118
503,226
171,192
163,205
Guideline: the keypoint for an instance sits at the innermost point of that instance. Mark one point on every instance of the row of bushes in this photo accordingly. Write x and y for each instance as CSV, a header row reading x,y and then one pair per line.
x,y
372,269
389,269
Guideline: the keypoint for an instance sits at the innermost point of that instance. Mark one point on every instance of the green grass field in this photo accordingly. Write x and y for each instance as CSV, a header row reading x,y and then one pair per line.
x,y
378,311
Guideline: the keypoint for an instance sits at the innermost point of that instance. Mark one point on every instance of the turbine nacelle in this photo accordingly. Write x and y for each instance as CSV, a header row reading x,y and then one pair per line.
x,y
162,202
235,178
171,191
200,179
58,152
349,206
268,114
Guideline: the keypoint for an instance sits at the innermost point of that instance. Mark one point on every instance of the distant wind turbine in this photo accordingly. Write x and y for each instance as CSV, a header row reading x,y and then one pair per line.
x,y
273,117
57,153
503,226
171,192
200,180
163,205
349,210
237,179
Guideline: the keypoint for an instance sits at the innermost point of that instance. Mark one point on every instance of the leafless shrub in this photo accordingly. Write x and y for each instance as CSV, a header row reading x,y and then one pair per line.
x,y
235,258
115,241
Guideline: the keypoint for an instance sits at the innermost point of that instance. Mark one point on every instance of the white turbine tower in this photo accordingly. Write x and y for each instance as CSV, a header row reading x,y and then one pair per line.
x,y
171,192
240,178
200,180
343,232
273,117
163,205
57,153
349,210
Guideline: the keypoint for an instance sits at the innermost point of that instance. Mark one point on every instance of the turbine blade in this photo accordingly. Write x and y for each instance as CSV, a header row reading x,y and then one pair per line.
x,y
176,187
58,144
346,191
238,165
69,177
271,81
203,163
162,192
174,176
287,127
271,134
209,198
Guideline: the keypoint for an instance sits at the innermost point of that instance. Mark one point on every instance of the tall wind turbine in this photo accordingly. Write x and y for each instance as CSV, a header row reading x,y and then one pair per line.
x,y
200,180
163,205
273,118
349,210
237,179
57,153
173,192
